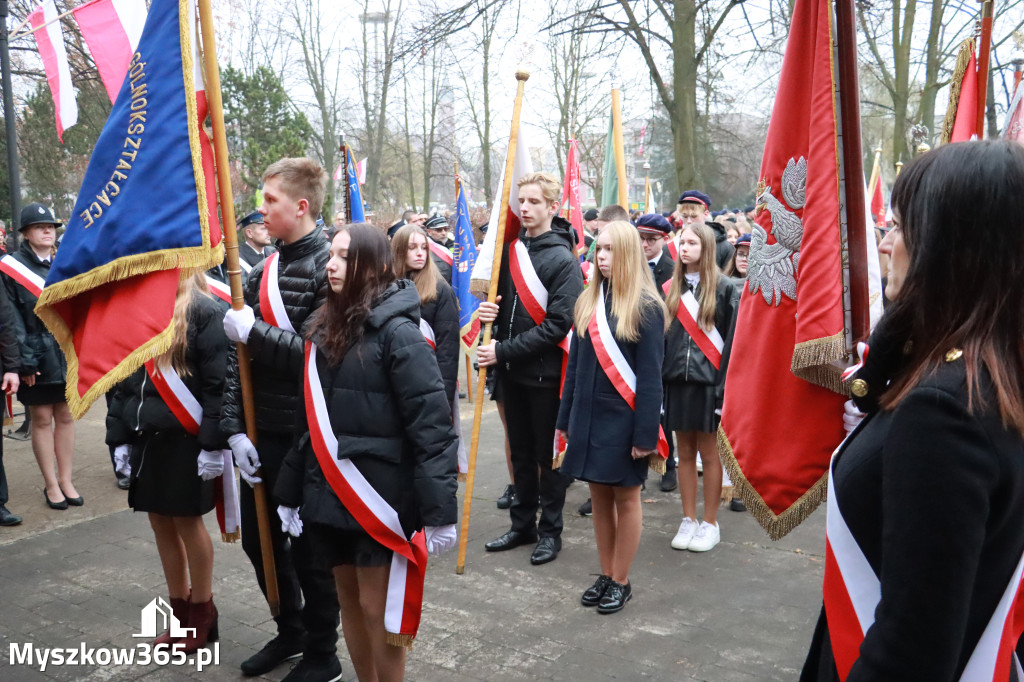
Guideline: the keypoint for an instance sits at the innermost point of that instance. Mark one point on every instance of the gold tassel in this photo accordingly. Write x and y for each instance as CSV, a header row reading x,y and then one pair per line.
x,y
727,493
656,463
462,478
963,60
776,525
398,639
234,536
812,362
557,462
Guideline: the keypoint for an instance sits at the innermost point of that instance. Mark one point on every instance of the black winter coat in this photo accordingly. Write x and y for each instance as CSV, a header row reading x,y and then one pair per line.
x,y
442,314
944,557
443,266
249,257
10,354
723,249
136,406
663,270
302,277
39,350
685,361
392,419
598,420
527,353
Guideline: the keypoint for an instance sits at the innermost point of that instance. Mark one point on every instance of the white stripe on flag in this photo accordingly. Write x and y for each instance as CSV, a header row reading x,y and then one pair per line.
x,y
50,41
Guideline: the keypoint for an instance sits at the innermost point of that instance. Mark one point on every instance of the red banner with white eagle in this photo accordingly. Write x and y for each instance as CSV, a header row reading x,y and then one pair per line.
x,y
784,397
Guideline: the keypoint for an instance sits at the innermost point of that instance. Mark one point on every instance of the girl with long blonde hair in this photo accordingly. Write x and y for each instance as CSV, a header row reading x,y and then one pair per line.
x,y
621,316
703,304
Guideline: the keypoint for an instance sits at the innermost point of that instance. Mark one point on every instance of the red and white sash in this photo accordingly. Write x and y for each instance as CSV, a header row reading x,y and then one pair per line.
x,y
428,333
852,592
219,289
440,251
532,293
710,343
271,304
21,274
372,512
614,364
189,412
673,247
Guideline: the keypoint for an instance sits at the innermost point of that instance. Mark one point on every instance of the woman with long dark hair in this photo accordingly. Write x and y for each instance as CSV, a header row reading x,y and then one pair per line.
x,y
703,304
145,425
611,404
375,471
925,587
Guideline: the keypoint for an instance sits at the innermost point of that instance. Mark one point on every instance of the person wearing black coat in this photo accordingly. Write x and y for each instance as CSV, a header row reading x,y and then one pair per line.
x,y
10,363
436,228
529,363
308,620
163,455
610,440
694,386
387,407
254,246
936,577
43,367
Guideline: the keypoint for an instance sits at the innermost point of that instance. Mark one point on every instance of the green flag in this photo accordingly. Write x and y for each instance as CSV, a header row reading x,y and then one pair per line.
x,y
610,187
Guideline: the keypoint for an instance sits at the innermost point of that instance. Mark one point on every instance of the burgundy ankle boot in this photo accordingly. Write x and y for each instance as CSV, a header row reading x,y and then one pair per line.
x,y
202,617
180,609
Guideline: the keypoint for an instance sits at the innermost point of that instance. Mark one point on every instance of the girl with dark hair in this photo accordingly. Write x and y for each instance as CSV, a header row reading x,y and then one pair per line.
x,y
703,304
609,413
163,420
926,587
374,470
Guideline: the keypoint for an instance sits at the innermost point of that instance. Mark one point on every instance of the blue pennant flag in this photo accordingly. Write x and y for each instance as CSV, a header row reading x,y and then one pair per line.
x,y
465,258
355,198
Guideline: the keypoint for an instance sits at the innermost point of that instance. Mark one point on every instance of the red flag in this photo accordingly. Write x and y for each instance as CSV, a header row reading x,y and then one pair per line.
x,y
571,194
961,123
111,29
878,203
782,416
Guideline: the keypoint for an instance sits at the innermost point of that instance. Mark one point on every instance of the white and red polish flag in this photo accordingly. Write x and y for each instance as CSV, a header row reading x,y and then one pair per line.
x,y
50,40
571,195
485,254
1013,126
361,171
111,29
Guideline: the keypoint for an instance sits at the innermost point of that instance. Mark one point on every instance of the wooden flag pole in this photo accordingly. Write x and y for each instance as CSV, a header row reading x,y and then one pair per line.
x,y
876,171
620,152
227,208
492,293
984,51
853,165
469,378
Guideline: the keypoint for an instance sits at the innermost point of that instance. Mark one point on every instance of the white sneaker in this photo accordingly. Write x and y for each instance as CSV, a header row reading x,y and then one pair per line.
x,y
685,534
706,537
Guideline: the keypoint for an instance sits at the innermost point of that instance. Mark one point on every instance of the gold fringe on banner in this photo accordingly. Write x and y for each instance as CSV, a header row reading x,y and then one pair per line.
x,y
963,60
462,478
656,463
776,525
812,361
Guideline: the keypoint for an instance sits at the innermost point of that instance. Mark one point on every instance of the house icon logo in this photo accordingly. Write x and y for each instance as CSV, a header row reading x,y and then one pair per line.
x,y
157,616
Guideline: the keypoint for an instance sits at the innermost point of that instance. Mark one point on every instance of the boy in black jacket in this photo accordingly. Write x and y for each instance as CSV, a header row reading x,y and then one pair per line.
x,y
526,352
293,192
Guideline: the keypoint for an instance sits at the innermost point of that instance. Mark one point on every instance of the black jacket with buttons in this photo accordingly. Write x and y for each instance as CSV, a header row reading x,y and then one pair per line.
x,y
302,278
39,350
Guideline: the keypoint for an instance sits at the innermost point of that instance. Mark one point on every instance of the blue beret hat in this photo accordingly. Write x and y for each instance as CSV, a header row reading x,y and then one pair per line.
x,y
695,196
653,223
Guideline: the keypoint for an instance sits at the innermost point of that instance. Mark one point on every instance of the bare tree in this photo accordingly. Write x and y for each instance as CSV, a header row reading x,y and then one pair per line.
x,y
375,81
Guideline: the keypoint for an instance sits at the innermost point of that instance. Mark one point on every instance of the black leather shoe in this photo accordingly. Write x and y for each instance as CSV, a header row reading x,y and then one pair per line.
x,y
74,501
510,540
615,597
547,549
123,482
274,653
669,481
507,497
592,597
310,670
7,518
63,504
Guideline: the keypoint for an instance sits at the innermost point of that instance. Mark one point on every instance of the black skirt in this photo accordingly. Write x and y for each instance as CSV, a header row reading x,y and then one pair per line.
x,y
690,407
165,476
335,547
41,394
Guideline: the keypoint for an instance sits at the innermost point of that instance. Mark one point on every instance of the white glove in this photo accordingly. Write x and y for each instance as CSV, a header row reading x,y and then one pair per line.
x,y
246,458
851,416
238,324
440,539
290,521
122,460
211,464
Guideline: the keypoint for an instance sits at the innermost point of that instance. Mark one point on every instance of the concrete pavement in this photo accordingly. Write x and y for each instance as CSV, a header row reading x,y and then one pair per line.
x,y
743,611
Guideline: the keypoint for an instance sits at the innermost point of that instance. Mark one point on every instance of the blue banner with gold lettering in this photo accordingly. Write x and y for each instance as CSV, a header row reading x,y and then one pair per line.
x,y
145,217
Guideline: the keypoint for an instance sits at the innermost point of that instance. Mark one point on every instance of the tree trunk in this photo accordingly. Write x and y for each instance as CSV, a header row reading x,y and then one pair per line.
x,y
684,88
933,62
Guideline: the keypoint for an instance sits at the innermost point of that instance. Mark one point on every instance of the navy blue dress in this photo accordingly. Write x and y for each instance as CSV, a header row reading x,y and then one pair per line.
x,y
602,428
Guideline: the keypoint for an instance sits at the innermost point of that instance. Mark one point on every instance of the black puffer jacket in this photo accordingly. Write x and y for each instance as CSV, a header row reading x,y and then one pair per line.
x,y
723,249
528,353
39,350
685,361
136,406
442,314
392,420
302,277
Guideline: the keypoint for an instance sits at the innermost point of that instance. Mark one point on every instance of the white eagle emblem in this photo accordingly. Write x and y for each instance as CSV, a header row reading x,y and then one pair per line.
x,y
772,267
